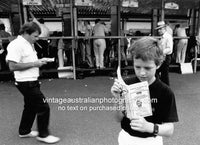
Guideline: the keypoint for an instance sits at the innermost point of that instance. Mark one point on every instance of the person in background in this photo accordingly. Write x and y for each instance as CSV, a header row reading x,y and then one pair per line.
x,y
181,45
130,33
53,49
3,46
150,130
99,43
166,43
168,28
124,46
23,61
88,33
61,53
42,44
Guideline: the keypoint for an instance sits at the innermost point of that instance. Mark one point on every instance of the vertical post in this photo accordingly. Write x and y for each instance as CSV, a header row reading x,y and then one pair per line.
x,y
198,20
192,22
154,21
74,33
119,31
25,9
68,25
16,18
163,10
19,8
115,25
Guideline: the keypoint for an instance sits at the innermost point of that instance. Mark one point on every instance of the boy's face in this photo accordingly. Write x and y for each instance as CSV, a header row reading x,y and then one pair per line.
x,y
145,70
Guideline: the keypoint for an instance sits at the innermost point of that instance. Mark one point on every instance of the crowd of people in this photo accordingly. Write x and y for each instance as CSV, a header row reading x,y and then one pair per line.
x,y
98,53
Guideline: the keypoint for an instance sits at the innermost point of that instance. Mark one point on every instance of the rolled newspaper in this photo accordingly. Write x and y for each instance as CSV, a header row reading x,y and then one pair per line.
x,y
136,96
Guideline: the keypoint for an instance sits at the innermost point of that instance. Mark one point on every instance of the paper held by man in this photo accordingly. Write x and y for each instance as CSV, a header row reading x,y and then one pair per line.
x,y
48,59
137,98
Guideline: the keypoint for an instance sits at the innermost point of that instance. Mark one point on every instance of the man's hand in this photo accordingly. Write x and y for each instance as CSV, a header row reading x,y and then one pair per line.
x,y
39,63
45,59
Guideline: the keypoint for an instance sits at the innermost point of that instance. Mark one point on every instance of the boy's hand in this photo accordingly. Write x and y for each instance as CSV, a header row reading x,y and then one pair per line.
x,y
116,89
138,123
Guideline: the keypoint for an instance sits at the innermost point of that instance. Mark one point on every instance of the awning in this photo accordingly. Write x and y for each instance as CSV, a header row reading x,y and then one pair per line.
x,y
102,7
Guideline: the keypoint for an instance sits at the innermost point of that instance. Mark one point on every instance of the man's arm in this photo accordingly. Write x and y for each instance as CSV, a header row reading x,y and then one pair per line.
x,y
14,66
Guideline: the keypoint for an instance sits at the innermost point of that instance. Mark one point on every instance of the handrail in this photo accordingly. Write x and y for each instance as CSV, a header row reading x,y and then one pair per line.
x,y
92,37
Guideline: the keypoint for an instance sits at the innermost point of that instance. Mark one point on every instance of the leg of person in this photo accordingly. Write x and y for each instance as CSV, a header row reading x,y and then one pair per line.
x,y
60,58
4,65
96,52
43,112
184,51
82,47
29,113
165,70
124,55
88,53
178,54
101,52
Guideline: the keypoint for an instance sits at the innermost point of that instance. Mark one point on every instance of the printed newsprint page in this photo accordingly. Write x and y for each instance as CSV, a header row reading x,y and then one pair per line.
x,y
137,98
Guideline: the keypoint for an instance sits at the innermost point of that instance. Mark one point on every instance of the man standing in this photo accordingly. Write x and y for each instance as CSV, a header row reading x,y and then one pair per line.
x,y
22,59
181,46
166,43
88,33
99,43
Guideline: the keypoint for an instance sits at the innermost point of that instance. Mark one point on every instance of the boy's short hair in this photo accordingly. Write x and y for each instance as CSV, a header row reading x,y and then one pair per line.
x,y
147,48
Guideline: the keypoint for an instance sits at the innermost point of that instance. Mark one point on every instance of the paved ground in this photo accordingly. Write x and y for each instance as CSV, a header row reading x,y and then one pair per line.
x,y
90,127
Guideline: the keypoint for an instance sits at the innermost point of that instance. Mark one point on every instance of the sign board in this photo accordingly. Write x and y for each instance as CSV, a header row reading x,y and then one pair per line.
x,y
32,2
130,3
62,5
83,3
186,68
171,5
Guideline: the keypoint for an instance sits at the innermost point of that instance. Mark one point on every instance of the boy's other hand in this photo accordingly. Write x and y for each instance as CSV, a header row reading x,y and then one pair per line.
x,y
139,123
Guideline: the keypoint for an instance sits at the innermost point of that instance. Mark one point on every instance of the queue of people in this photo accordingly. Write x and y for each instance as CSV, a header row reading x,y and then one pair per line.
x,y
97,53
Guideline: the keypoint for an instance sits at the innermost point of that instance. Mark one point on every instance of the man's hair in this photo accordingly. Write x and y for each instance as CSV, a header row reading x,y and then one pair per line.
x,y
147,48
29,28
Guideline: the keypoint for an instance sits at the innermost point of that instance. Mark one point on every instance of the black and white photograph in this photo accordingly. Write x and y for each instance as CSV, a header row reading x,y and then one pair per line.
x,y
99,72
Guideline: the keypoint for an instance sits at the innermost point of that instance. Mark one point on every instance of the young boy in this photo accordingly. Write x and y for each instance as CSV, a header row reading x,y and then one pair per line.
x,y
148,57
